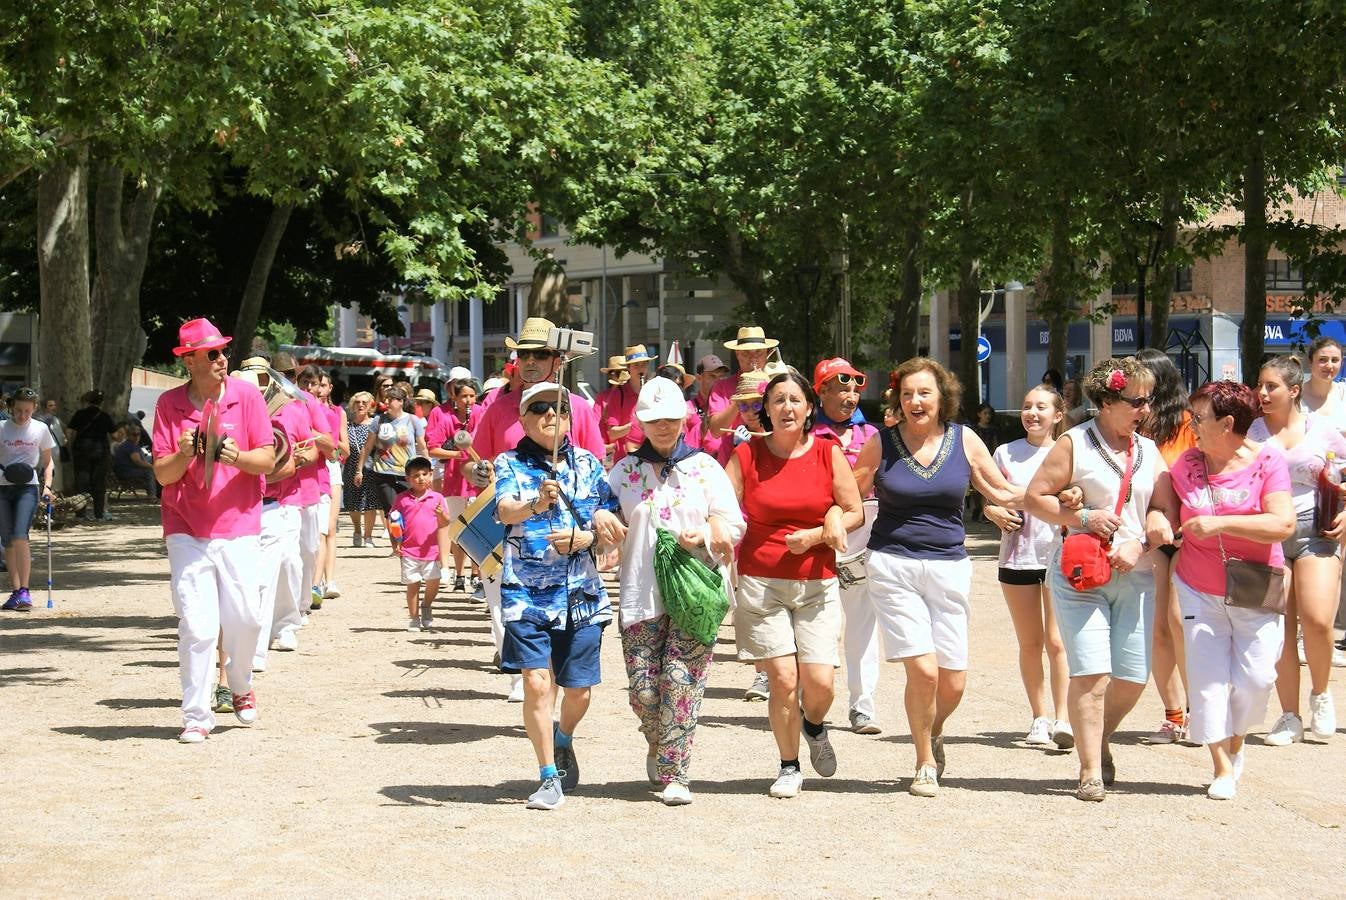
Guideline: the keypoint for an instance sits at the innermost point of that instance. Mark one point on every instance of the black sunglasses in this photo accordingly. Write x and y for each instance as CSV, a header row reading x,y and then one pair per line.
x,y
542,407
214,353
535,354
1137,402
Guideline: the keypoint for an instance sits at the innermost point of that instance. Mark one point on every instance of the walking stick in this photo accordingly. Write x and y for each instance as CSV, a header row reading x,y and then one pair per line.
x,y
49,603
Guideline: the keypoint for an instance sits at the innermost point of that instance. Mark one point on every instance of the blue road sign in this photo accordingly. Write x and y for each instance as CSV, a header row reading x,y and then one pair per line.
x,y
983,348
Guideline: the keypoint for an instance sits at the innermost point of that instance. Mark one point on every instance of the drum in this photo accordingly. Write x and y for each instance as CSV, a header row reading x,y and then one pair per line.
x,y
479,534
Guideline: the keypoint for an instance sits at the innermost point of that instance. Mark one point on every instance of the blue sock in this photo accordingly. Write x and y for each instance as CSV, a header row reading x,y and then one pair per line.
x,y
547,772
559,737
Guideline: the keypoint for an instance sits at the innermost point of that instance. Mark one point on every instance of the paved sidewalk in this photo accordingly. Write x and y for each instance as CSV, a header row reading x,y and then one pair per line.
x,y
386,762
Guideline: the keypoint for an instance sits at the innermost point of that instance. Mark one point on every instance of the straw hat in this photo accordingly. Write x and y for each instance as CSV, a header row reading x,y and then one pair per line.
x,y
752,337
425,395
637,353
615,364
532,336
751,386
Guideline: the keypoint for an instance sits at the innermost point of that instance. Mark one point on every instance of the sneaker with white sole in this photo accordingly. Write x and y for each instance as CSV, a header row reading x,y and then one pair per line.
x,y
676,794
1338,657
1289,729
1039,733
548,795
1322,715
515,689
760,689
245,708
358,541
287,640
821,755
926,782
427,622
787,784
864,724
192,734
332,591
413,624
478,589
1063,736
1223,788
1169,732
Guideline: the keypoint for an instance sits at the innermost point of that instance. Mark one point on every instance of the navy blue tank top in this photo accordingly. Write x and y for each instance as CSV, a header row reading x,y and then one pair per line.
x,y
921,508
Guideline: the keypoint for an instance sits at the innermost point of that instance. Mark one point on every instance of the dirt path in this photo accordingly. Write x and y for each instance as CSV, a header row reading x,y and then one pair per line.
x,y
386,762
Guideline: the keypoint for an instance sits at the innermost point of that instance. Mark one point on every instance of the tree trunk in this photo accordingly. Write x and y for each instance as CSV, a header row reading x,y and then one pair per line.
x,y
1164,276
969,323
250,307
1058,306
905,339
63,270
122,239
1254,262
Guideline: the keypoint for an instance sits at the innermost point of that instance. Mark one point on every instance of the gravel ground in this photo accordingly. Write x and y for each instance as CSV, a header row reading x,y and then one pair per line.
x,y
386,762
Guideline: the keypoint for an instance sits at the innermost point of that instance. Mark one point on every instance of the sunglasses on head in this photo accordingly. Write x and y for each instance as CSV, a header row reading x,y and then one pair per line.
x,y
1137,402
751,406
847,379
534,354
542,407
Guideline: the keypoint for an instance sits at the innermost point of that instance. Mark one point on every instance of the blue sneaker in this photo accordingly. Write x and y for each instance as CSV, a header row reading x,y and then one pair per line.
x,y
23,602
12,603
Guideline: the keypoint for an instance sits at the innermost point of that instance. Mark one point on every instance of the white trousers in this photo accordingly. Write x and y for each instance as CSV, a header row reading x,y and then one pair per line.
x,y
1231,664
494,602
282,573
214,584
860,638
309,536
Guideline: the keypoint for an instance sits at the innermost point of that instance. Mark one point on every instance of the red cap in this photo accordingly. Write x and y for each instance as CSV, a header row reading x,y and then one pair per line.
x,y
830,368
199,334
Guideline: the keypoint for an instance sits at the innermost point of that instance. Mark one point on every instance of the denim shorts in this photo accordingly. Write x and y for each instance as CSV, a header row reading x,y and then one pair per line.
x,y
18,502
1306,541
571,653
1106,630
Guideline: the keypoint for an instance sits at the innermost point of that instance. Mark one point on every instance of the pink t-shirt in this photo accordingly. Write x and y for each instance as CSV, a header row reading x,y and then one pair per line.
x,y
333,424
1236,493
500,429
1306,459
420,524
309,485
440,427
292,418
691,432
233,505
617,406
322,480
721,446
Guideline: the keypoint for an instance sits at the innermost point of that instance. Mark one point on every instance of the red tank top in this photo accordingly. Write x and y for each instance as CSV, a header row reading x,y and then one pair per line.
x,y
781,496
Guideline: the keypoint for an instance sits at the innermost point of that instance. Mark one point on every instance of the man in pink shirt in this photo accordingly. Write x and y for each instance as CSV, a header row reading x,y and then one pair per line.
x,y
500,429
617,409
212,532
751,348
314,485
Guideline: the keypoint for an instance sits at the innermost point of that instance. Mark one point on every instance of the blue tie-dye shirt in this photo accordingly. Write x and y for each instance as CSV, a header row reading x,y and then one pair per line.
x,y
536,581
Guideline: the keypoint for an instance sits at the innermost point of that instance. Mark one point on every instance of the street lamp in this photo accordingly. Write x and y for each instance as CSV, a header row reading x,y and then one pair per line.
x,y
807,277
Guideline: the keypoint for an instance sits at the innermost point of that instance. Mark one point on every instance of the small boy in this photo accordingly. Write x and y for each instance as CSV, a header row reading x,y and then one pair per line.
x,y
425,520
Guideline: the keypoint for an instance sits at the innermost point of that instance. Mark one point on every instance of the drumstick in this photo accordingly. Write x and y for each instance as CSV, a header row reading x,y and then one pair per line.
x,y
462,442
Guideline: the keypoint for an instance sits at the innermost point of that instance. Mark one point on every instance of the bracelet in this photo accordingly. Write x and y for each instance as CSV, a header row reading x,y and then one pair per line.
x,y
1084,517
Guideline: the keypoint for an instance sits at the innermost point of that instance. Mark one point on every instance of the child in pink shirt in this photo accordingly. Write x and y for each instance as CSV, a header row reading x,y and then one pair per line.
x,y
425,520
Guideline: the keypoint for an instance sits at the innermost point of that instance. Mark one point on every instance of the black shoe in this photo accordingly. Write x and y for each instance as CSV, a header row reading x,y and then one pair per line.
x,y
567,767
459,585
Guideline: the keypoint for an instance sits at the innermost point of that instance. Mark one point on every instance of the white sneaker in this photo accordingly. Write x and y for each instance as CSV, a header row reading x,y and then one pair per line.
x,y
515,689
676,794
1040,733
1063,736
1289,729
926,782
413,624
1338,657
760,689
427,623
787,784
1222,788
1322,715
332,591
286,640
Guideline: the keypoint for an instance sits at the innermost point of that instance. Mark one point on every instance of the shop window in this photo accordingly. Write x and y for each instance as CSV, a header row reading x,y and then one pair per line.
x,y
1182,280
1284,275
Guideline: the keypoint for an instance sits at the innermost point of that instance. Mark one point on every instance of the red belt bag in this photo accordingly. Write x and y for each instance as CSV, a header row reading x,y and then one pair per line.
x,y
1084,556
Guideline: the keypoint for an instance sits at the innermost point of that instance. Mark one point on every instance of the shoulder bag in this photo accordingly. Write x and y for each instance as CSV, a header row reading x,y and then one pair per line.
x,y
1247,585
1084,555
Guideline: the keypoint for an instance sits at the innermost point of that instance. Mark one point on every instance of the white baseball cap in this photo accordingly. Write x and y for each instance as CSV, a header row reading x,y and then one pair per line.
x,y
460,373
542,387
660,398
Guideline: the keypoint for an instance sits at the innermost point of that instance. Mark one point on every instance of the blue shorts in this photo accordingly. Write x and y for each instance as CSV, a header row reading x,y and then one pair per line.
x,y
571,653
1106,630
18,502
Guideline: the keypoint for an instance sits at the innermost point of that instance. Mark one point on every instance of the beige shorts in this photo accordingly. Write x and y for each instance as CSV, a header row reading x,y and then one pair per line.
x,y
415,571
784,616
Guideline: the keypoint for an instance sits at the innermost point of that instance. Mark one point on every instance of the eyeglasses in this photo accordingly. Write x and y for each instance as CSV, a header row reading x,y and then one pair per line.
x,y
1196,420
1137,402
755,406
847,379
542,407
214,354
535,354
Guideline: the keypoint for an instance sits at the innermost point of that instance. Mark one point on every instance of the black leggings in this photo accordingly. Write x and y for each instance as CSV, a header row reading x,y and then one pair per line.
x,y
91,475
386,488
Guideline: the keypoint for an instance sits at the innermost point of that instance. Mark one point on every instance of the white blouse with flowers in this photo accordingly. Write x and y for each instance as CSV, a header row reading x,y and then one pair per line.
x,y
696,489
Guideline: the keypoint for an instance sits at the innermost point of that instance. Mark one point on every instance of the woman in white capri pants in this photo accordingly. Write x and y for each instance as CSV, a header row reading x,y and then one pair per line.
x,y
1236,504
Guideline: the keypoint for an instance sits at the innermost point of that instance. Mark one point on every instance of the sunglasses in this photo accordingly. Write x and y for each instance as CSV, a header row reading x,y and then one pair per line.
x,y
535,354
1137,402
848,379
754,406
214,354
542,407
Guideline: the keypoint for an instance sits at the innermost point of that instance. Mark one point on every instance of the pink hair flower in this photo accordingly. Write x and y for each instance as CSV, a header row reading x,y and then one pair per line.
x,y
1117,380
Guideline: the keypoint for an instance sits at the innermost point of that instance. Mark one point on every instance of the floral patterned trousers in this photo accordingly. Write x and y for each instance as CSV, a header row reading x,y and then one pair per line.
x,y
667,669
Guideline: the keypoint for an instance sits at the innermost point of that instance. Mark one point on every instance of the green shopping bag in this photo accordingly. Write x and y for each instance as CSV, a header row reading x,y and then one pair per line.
x,y
693,593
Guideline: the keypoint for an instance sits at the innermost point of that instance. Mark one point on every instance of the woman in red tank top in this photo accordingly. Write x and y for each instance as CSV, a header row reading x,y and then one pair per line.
x,y
799,498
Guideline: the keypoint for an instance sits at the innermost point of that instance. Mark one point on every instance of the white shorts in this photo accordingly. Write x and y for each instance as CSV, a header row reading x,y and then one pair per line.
x,y
334,474
324,514
922,606
414,571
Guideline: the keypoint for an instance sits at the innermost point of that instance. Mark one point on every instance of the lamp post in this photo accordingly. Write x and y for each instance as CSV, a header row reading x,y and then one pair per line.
x,y
807,276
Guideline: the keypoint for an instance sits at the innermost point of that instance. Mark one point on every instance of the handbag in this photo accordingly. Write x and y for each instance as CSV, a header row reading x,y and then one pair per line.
x,y
693,593
1247,585
1084,555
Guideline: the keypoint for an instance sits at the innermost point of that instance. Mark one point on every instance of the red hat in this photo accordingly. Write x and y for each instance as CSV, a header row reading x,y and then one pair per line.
x,y
199,334
830,368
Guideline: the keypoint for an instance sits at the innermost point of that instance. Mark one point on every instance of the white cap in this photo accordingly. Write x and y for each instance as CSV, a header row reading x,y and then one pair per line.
x,y
492,383
460,373
660,398
542,387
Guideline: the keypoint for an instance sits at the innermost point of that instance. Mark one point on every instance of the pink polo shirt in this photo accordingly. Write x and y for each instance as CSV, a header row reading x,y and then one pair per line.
x,y
721,446
233,505
500,429
313,476
617,406
293,420
440,427
420,523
